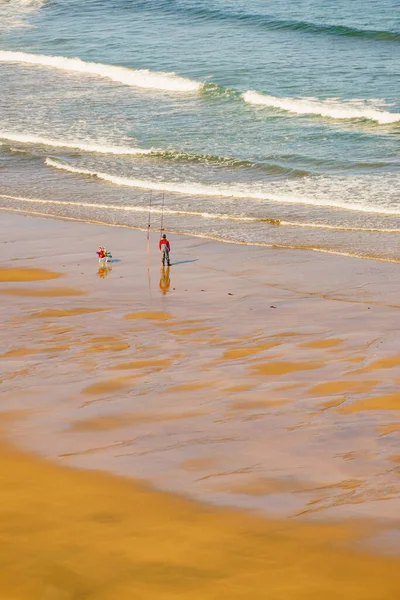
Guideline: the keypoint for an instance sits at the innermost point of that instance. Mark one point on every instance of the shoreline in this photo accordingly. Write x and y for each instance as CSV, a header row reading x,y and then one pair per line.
x,y
285,361
37,214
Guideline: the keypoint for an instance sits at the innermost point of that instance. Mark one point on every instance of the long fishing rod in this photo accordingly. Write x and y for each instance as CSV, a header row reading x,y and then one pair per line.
x,y
162,215
148,242
149,220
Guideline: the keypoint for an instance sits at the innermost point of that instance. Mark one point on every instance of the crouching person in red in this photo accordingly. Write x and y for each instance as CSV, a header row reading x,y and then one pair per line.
x,y
165,250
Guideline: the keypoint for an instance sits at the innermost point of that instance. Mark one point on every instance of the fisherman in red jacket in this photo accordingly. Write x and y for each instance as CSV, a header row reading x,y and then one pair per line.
x,y
165,250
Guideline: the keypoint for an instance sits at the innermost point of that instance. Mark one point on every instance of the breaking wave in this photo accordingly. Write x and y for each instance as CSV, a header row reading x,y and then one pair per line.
x,y
71,144
141,78
319,192
332,108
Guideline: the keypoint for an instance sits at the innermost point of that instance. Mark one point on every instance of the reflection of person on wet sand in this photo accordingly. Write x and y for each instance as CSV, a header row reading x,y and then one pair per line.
x,y
165,281
104,270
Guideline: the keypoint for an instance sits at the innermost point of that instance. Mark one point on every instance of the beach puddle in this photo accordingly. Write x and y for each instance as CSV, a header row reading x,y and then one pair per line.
x,y
15,275
285,367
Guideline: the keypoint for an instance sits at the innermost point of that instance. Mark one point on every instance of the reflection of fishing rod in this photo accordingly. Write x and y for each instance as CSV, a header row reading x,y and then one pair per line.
x,y
162,215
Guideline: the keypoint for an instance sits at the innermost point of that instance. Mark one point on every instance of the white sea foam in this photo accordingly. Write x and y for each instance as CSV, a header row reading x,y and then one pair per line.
x,y
132,77
13,13
332,108
71,144
316,191
204,215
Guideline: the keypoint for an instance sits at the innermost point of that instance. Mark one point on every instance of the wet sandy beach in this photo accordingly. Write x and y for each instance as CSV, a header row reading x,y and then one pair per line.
x,y
246,377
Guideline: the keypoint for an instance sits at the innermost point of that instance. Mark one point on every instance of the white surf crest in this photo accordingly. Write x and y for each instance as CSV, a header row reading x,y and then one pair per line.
x,y
71,144
141,78
332,108
321,191
13,13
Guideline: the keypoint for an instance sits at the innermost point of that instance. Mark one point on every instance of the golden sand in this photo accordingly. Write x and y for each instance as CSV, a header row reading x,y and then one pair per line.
x,y
250,404
264,486
190,330
14,275
106,347
289,386
189,387
17,352
331,388
72,534
109,385
50,292
68,312
323,343
152,316
382,363
142,364
387,402
243,352
285,367
388,429
239,388
199,464
332,403
354,359
109,422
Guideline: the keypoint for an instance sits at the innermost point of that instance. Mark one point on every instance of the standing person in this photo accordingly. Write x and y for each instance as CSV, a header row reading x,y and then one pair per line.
x,y
165,249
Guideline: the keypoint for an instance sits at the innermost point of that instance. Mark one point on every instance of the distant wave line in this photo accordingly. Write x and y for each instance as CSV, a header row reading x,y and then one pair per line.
x,y
354,109
197,189
204,215
141,78
263,21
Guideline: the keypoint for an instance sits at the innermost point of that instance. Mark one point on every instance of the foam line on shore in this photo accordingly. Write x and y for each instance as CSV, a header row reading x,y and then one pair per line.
x,y
204,215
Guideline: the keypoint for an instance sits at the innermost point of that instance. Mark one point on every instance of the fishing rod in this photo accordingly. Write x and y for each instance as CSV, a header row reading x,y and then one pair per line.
x,y
149,220
162,215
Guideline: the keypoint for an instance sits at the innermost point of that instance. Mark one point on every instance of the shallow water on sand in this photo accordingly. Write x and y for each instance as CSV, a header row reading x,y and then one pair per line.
x,y
229,386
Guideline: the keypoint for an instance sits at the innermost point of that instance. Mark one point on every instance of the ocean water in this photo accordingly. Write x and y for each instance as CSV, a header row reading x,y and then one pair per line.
x,y
261,122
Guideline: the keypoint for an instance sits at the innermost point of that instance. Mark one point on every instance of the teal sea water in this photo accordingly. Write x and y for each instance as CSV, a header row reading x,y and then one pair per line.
x,y
263,122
